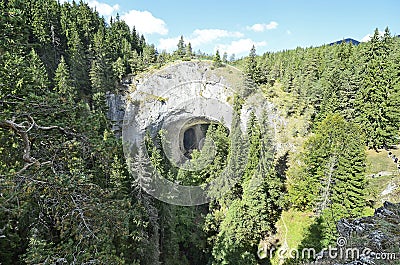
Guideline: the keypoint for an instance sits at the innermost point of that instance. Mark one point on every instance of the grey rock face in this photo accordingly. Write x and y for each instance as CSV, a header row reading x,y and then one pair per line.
x,y
175,100
183,95
378,234
116,111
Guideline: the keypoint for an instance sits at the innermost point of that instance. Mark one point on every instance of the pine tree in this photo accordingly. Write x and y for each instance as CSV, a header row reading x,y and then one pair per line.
x,y
180,52
338,84
331,180
136,63
118,68
46,29
135,39
251,64
162,58
37,75
217,59
77,184
251,69
377,109
78,61
189,52
101,74
62,81
252,216
149,55
225,57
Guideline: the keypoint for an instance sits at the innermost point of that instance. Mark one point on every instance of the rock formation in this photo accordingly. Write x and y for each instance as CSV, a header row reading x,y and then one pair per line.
x,y
375,239
180,100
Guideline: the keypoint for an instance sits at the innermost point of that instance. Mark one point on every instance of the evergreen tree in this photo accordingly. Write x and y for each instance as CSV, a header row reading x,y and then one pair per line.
x,y
162,58
217,59
189,52
118,69
225,57
67,197
252,216
339,84
78,61
181,51
251,69
377,103
37,75
331,180
69,167
149,55
136,63
46,30
135,39
62,81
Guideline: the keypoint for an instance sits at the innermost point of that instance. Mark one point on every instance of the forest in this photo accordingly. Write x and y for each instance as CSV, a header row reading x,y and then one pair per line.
x,y
66,194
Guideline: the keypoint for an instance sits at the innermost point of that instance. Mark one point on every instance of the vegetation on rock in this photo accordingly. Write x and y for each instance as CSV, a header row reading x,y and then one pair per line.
x,y
66,196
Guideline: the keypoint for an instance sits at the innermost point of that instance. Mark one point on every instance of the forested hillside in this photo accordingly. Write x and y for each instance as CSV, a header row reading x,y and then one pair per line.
x,y
66,196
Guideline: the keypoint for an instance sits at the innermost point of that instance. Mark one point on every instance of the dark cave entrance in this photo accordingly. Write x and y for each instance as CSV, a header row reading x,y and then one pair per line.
x,y
193,138
189,139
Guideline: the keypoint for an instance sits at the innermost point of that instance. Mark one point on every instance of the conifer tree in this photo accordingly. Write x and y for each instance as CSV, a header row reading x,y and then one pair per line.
x,y
62,81
135,39
225,57
189,52
217,59
37,75
149,55
136,63
332,176
377,103
252,216
78,61
252,70
118,68
180,52
339,83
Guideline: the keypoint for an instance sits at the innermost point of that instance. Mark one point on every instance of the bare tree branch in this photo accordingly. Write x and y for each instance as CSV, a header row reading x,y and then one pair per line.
x,y
22,129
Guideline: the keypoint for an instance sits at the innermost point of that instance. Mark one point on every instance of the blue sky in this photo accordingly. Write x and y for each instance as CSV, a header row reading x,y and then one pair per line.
x,y
271,25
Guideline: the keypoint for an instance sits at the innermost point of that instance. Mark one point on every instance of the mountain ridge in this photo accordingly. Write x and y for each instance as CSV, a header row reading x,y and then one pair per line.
x,y
347,40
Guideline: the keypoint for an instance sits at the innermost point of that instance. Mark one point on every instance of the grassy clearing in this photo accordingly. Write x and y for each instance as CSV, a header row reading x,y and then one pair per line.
x,y
297,224
380,162
385,172
382,173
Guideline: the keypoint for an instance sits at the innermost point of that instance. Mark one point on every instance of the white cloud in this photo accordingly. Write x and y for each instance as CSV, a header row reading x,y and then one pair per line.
x,y
198,38
288,32
168,44
145,22
203,36
239,47
368,37
103,8
263,27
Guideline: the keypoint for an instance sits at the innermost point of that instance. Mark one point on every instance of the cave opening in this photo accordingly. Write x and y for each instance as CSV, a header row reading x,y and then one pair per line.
x,y
193,138
189,139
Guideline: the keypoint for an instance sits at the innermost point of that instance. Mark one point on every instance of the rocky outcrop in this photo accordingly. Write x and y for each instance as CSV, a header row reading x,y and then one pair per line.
x,y
116,111
375,239
183,95
177,101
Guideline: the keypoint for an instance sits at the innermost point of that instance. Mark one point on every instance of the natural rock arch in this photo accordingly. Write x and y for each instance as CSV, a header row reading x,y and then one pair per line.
x,y
180,100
